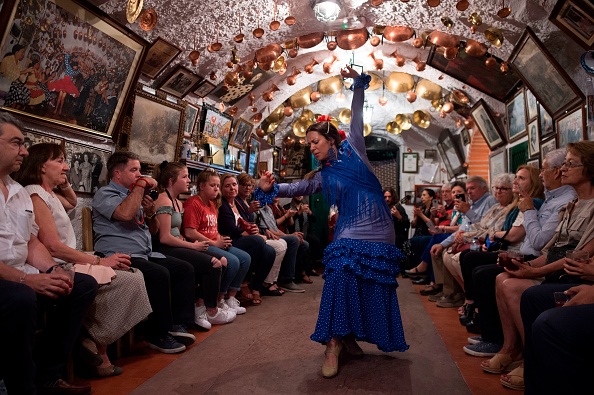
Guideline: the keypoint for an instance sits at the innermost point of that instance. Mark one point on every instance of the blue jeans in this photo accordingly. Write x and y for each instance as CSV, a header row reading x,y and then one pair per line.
x,y
238,265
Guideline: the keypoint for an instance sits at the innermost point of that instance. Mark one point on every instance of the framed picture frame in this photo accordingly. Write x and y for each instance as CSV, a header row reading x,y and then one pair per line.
x,y
465,133
32,138
451,154
543,75
180,82
517,156
547,146
516,117
576,19
204,88
410,162
534,163
158,57
486,125
419,191
155,131
67,106
242,159
531,105
571,127
276,159
411,201
430,154
545,122
216,126
253,157
190,116
88,167
216,155
497,164
533,139
241,133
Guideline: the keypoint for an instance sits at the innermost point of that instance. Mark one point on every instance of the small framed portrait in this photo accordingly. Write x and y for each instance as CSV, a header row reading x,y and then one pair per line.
x,y
497,163
534,163
486,125
161,53
204,88
465,133
547,146
410,162
533,139
516,117
430,154
531,105
241,133
571,127
242,159
576,19
180,82
545,122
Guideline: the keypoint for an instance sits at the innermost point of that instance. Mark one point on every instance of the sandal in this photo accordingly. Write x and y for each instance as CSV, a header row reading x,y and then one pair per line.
x,y
267,291
514,379
306,280
500,363
245,293
257,300
282,291
108,371
330,371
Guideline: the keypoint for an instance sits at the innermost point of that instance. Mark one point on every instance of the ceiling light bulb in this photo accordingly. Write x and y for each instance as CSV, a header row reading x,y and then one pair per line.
x,y
326,10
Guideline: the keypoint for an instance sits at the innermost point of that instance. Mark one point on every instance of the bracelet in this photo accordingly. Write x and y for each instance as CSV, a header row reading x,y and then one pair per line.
x,y
22,279
97,260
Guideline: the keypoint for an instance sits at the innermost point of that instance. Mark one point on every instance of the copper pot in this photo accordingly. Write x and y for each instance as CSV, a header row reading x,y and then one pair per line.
x,y
351,39
399,59
194,57
459,97
265,66
462,5
260,132
310,40
258,32
433,3
469,123
374,41
257,117
239,38
504,67
448,107
378,63
274,25
475,48
376,3
247,74
420,64
417,42
450,53
398,34
252,99
309,68
292,79
491,62
442,39
411,97
315,96
269,53
232,111
290,20
231,79
213,75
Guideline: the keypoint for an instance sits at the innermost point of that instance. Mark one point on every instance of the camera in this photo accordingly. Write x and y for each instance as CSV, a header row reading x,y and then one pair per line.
x,y
461,197
154,194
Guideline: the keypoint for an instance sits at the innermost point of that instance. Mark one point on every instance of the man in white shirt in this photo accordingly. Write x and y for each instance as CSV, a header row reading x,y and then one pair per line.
x,y
27,282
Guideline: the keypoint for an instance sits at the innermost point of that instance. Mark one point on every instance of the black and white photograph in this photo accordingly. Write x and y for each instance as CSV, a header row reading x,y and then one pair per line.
x,y
547,146
180,82
516,117
545,122
531,105
486,125
88,171
32,138
533,139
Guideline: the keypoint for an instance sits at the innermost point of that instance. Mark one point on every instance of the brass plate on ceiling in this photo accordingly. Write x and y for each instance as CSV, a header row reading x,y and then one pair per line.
x,y
330,85
148,19
422,118
300,127
345,116
301,98
367,129
404,121
277,115
428,90
398,82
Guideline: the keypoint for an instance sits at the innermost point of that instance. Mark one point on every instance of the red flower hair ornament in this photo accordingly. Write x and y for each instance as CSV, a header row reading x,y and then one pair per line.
x,y
327,118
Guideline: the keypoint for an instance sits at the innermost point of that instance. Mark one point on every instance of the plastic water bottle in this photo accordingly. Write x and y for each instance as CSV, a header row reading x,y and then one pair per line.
x,y
475,245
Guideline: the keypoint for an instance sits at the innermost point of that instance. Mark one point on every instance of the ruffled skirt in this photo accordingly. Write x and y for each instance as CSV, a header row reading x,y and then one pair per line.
x,y
359,295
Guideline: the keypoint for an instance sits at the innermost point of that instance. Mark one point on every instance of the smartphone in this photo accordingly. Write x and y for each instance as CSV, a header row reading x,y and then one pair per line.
x,y
435,203
461,197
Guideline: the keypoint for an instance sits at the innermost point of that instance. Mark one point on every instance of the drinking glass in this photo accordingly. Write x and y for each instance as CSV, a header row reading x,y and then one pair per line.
x,y
578,255
561,298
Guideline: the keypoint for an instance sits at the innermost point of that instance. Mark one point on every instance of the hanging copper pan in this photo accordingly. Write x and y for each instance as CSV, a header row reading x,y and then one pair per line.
x,y
442,39
459,97
310,40
269,53
475,48
351,39
398,34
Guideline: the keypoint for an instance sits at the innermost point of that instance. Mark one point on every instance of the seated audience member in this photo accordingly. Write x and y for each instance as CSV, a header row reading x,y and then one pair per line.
x,y
200,223
302,223
423,218
30,280
285,220
425,268
478,195
443,211
246,238
172,180
526,184
539,225
269,225
248,212
399,216
558,341
575,232
123,221
121,301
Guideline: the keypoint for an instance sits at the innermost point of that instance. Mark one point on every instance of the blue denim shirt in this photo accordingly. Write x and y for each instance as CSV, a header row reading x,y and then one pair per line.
x,y
476,212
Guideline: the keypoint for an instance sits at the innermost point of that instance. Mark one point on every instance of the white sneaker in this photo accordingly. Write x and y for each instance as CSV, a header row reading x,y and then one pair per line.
x,y
221,317
200,317
234,304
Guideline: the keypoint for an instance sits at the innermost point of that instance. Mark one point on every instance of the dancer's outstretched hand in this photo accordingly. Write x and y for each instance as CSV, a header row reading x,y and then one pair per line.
x,y
348,72
266,181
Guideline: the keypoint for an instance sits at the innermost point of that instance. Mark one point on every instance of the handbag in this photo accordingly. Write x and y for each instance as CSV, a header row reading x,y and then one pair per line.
x,y
560,276
102,274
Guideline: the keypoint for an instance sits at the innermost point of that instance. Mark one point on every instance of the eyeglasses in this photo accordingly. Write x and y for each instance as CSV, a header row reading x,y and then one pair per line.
x,y
503,189
246,185
570,164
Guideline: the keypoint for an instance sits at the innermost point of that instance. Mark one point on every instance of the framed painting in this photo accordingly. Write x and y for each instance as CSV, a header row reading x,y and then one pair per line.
x,y
32,138
534,163
516,117
216,126
88,167
242,159
571,127
419,191
465,133
180,82
410,162
451,154
473,71
497,164
411,200
253,157
156,129
545,122
276,159
486,125
204,88
547,146
533,139
191,115
543,75
159,55
297,162
243,130
576,19
531,106
97,50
